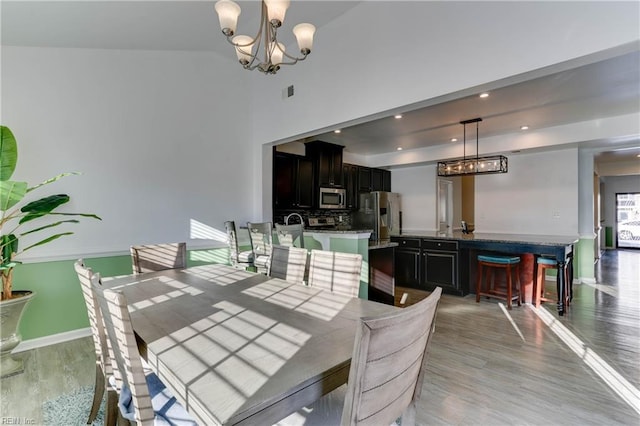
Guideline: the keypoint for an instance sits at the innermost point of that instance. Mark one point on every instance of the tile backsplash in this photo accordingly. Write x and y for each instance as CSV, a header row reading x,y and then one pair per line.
x,y
341,217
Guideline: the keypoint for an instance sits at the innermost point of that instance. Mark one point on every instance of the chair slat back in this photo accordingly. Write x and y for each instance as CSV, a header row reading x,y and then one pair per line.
x,y
388,362
289,234
120,331
288,263
96,323
261,236
232,241
158,257
335,271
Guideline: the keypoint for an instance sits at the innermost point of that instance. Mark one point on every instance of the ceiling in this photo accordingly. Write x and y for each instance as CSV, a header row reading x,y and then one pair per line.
x,y
598,90
607,88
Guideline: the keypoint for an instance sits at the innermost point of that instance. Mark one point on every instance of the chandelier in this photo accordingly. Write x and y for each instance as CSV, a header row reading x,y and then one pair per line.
x,y
273,52
472,165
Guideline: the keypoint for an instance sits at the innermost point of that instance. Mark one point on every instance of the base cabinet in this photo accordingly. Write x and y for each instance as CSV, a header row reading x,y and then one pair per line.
x,y
407,268
440,265
426,264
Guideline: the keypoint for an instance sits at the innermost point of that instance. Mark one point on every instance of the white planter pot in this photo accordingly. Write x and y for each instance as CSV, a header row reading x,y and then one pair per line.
x,y
10,315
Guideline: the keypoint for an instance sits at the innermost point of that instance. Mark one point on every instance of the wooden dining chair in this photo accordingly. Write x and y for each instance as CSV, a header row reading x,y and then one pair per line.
x,y
335,271
106,379
237,258
387,371
144,399
288,263
261,236
288,235
158,257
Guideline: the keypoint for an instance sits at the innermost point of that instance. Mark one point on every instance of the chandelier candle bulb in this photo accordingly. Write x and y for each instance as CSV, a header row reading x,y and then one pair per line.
x,y
228,13
269,53
277,50
304,35
276,10
244,48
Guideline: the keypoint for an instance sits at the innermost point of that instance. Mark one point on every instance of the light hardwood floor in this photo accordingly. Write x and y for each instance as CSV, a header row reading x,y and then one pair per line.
x,y
488,366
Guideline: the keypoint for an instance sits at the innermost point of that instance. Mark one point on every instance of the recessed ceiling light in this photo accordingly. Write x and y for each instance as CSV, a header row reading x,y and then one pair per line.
x,y
399,148
525,127
337,131
484,95
454,139
398,116
638,155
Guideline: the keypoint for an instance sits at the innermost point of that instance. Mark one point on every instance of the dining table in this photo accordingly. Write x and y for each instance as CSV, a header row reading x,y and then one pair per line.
x,y
238,347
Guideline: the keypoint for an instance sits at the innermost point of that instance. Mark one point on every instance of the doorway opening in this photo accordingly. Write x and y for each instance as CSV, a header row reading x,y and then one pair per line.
x,y
445,206
628,220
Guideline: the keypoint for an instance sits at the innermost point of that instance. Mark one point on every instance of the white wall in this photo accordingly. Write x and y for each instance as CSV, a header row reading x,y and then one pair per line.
x,y
418,189
382,55
539,195
152,132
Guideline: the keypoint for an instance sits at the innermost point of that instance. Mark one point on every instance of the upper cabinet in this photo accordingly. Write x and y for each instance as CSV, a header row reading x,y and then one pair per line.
x,y
370,179
327,159
350,183
292,181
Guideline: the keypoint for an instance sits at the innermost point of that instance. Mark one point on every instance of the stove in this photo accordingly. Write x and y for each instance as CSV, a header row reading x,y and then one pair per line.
x,y
322,223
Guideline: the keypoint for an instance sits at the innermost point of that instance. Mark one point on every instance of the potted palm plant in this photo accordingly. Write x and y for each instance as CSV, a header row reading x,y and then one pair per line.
x,y
19,218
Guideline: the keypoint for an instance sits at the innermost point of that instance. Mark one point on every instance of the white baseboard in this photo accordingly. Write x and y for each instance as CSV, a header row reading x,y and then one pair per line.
x,y
53,339
584,280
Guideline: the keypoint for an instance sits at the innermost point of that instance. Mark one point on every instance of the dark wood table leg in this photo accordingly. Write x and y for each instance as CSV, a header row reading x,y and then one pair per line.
x,y
560,280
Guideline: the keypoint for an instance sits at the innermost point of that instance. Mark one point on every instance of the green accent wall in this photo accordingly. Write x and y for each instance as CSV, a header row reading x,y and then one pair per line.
x,y
584,255
59,306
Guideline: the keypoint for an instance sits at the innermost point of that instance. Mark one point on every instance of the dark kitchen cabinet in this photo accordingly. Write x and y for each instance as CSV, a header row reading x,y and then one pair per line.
x,y
350,183
426,264
386,180
292,181
327,162
364,179
370,179
376,179
440,265
407,262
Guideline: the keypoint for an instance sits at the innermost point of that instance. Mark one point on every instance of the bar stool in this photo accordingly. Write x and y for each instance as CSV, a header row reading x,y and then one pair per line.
x,y
542,264
509,265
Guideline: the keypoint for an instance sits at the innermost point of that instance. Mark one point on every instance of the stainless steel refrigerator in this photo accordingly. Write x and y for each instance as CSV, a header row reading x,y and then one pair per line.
x,y
379,211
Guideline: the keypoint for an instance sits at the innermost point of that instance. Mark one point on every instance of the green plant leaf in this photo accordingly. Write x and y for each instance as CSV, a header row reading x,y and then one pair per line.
x,y
51,180
11,193
9,266
42,207
8,153
51,225
32,216
46,240
8,246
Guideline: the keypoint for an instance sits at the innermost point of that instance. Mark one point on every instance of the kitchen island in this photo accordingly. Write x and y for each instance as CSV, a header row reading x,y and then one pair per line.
x,y
345,241
426,259
376,277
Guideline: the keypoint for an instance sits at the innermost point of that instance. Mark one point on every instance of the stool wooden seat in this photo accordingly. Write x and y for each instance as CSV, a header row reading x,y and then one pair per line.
x,y
542,264
509,265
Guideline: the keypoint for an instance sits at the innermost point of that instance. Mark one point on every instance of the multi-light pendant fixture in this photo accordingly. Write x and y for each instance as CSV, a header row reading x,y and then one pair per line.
x,y
273,52
473,165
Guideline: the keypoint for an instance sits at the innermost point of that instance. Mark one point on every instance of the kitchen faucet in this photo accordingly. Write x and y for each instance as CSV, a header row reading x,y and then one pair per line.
x,y
286,219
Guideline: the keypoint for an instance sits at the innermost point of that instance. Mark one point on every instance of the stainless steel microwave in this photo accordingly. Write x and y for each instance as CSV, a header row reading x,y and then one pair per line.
x,y
332,198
